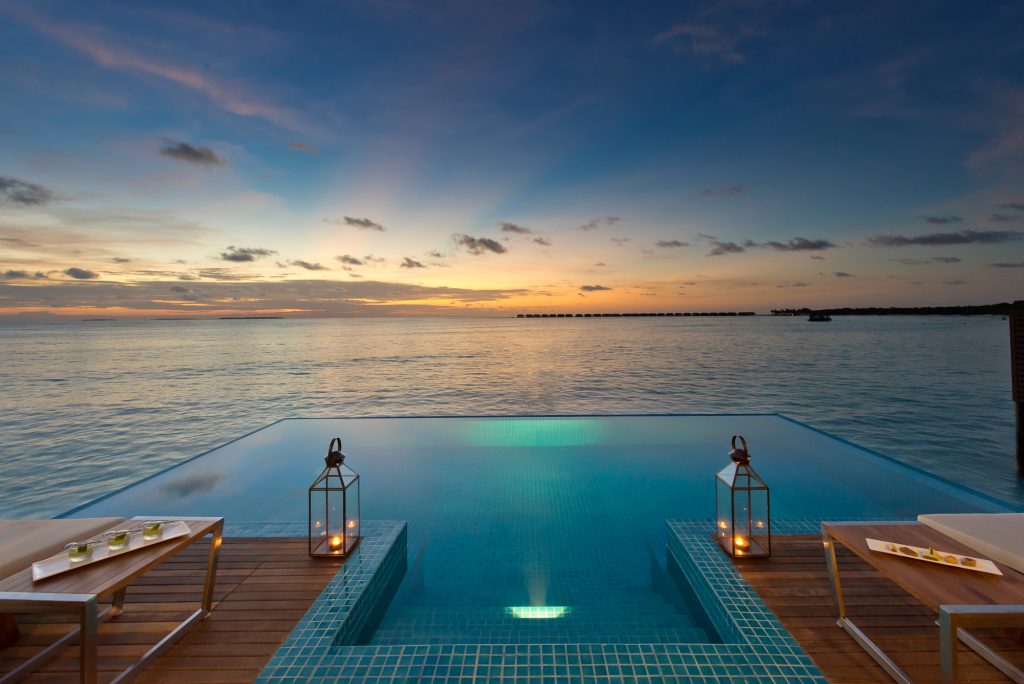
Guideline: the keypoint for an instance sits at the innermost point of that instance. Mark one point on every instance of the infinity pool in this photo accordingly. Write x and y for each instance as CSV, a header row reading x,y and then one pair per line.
x,y
540,530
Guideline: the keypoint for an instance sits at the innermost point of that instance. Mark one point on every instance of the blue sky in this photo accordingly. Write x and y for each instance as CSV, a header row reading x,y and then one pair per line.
x,y
212,158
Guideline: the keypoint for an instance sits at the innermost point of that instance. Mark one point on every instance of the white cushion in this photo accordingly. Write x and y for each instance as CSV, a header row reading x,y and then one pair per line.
x,y
23,542
1000,536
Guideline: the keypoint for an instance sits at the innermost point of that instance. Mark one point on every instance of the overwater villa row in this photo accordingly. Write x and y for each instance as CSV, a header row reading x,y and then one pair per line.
x,y
582,549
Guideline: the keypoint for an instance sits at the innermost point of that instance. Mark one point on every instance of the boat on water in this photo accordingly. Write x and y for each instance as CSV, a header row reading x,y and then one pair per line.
x,y
819,317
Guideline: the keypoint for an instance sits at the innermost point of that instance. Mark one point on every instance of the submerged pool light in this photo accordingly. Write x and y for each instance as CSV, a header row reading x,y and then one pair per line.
x,y
538,612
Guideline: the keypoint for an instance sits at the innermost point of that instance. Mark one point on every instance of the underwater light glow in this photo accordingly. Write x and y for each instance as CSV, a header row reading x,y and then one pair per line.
x,y
538,612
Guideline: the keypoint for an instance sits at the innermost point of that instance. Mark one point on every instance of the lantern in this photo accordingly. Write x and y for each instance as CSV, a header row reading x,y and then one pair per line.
x,y
742,507
334,507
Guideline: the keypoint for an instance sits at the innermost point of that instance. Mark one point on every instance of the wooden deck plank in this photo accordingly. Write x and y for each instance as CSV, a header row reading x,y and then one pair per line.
x,y
263,589
794,583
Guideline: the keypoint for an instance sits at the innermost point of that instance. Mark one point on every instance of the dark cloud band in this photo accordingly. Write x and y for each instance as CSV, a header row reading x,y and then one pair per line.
x,y
964,237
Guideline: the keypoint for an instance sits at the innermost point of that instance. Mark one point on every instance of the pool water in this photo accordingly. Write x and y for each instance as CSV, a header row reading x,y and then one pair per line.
x,y
540,530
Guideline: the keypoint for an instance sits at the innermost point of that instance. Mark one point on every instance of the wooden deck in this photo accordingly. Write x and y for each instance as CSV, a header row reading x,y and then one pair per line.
x,y
264,586
795,585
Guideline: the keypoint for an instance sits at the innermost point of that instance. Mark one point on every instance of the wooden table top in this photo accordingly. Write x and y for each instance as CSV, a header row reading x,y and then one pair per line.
x,y
106,577
930,583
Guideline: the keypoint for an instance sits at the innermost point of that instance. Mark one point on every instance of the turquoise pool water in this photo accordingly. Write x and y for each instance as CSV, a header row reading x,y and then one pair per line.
x,y
540,530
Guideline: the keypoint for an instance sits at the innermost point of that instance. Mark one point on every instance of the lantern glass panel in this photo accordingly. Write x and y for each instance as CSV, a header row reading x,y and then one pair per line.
x,y
743,526
334,520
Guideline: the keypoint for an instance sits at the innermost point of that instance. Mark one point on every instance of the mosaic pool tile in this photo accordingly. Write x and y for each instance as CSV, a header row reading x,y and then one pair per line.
x,y
757,647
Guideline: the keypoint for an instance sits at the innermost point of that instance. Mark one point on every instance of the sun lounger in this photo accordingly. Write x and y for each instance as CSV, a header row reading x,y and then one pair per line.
x,y
1000,536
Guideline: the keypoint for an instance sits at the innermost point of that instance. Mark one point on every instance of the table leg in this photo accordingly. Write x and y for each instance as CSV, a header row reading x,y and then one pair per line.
x,y
872,649
117,604
833,574
191,621
952,623
88,642
211,568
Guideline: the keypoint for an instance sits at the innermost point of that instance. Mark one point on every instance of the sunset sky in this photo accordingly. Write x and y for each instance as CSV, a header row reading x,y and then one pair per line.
x,y
482,158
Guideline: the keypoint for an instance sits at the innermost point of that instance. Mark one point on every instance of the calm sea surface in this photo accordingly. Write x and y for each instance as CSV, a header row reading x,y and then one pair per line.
x,y
90,407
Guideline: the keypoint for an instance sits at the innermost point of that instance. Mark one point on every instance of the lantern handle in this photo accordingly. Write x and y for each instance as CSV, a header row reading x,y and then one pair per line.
x,y
739,456
335,457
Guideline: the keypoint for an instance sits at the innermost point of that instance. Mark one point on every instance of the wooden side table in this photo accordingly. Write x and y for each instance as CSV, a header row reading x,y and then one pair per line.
x,y
962,599
79,592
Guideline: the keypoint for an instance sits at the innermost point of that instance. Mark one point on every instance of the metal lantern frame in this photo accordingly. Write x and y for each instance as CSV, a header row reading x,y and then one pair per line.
x,y
745,487
337,531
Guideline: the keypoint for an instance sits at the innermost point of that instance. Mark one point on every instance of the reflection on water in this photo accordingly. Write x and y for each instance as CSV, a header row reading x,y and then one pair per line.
x,y
112,402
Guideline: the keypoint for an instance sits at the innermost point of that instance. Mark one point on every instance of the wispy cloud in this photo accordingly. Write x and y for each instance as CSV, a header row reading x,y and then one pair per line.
x,y
301,147
1002,218
594,224
478,246
1008,264
542,241
728,191
708,41
349,260
942,220
199,155
964,237
594,288
843,274
23,275
411,263
621,241
15,191
308,265
1016,206
947,260
230,98
797,244
241,254
720,248
80,273
363,223
507,227
671,243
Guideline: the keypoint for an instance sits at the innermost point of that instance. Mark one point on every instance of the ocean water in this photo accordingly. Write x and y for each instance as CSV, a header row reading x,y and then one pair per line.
x,y
91,407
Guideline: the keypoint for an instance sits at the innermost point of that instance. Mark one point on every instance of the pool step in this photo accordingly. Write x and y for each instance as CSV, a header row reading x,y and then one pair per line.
x,y
646,619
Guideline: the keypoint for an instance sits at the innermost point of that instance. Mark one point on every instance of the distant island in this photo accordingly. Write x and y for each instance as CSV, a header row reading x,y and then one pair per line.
x,y
1002,309
621,315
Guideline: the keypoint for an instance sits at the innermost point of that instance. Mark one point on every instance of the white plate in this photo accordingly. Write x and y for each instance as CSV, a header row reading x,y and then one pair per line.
x,y
55,565
984,565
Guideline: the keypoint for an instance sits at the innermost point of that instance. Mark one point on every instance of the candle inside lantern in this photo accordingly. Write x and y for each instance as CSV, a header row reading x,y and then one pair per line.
x,y
759,524
740,541
351,524
335,542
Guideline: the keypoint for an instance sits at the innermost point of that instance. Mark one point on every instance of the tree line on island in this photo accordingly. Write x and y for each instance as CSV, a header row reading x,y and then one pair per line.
x,y
1001,309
